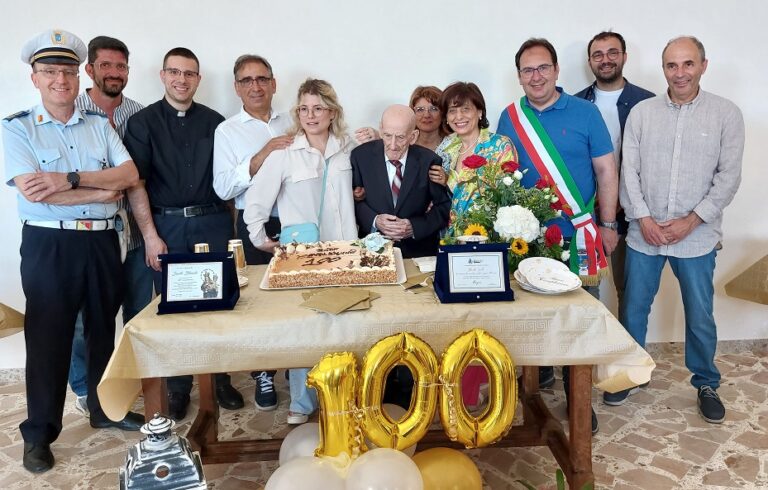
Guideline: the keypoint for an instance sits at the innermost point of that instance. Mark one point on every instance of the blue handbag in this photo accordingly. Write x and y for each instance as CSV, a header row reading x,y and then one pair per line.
x,y
305,232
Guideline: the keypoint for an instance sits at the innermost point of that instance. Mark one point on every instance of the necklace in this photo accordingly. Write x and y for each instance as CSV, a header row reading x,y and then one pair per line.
x,y
472,146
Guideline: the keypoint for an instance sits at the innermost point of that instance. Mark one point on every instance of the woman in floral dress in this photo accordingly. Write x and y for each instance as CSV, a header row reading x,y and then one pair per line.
x,y
469,149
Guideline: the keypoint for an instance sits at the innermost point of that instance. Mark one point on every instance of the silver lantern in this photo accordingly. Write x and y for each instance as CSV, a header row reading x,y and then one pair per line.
x,y
162,461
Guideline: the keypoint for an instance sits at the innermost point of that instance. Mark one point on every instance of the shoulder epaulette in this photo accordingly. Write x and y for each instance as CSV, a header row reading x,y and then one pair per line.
x,y
18,114
94,113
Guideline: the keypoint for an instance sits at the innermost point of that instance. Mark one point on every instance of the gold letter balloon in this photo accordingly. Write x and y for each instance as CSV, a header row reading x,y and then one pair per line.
x,y
497,418
402,348
342,421
335,378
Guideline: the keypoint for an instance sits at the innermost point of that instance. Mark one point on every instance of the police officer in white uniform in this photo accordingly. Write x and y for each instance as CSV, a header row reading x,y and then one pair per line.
x,y
70,168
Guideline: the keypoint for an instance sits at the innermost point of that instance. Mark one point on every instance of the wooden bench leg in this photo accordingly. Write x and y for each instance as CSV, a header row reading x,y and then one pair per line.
x,y
580,423
155,397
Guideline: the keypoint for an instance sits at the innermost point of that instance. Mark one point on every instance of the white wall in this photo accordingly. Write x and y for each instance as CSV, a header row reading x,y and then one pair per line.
x,y
375,53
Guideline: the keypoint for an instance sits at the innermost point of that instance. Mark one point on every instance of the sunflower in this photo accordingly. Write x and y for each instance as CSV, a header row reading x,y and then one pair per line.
x,y
519,246
475,229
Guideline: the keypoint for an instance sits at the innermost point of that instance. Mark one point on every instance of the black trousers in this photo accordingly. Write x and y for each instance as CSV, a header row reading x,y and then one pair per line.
x,y
180,235
62,271
253,255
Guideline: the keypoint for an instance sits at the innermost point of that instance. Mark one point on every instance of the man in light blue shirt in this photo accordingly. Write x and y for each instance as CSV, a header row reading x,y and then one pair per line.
x,y
70,168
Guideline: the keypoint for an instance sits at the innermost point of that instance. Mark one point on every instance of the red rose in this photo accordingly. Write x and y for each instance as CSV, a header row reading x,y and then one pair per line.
x,y
474,161
510,167
552,236
542,184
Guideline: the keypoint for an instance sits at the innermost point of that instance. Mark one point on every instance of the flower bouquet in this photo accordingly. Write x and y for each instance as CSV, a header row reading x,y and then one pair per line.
x,y
506,212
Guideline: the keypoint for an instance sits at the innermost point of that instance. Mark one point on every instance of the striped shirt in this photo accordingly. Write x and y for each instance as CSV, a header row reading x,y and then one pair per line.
x,y
123,112
680,159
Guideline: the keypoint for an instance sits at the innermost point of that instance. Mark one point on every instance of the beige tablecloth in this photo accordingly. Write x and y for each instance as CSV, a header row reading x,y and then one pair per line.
x,y
267,330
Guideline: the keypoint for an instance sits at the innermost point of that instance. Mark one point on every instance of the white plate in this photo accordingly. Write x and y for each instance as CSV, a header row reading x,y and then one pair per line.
x,y
399,268
527,266
553,280
527,287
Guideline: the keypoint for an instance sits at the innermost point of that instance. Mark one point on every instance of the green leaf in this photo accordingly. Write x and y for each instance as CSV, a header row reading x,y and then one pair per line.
x,y
560,477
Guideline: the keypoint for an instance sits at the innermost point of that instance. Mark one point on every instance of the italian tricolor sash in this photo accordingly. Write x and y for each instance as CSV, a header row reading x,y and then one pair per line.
x,y
587,256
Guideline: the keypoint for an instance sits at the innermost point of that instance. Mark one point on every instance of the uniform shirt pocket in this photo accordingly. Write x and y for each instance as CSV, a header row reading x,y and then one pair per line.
x,y
48,158
97,161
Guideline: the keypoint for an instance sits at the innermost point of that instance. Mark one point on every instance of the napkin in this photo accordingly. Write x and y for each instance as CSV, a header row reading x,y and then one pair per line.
x,y
752,284
337,300
425,264
11,321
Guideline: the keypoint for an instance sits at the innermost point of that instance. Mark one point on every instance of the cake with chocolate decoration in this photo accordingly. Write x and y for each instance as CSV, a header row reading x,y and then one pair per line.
x,y
370,260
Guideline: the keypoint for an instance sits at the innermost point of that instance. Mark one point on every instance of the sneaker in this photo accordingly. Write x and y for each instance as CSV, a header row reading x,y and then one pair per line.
x,y
81,405
265,397
595,427
710,406
618,398
296,418
546,376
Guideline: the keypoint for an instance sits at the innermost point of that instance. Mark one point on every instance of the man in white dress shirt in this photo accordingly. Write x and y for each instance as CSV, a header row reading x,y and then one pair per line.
x,y
241,145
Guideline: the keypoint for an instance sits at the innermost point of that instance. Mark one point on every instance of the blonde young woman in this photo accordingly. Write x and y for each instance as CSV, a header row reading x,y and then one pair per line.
x,y
292,178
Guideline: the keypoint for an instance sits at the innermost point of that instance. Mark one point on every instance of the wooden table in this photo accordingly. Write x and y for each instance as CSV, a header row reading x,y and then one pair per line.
x,y
572,329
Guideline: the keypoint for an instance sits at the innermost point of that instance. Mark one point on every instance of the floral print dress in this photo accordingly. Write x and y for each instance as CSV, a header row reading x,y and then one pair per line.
x,y
495,148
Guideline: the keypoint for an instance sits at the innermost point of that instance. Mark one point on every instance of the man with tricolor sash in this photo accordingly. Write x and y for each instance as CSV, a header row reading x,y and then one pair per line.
x,y
563,140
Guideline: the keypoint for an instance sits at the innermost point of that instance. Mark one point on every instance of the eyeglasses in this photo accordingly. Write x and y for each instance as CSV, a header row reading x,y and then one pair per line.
x,y
421,110
612,54
175,72
316,111
52,74
544,70
108,65
249,81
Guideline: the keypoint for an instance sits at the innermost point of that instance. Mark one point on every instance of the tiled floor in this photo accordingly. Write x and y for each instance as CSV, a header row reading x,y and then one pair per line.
x,y
656,440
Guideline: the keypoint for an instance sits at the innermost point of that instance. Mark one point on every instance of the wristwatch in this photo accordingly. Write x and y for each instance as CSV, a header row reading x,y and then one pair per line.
x,y
611,225
74,179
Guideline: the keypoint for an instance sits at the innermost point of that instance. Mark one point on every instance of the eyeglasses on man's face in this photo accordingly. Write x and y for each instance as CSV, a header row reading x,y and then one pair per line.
x,y
544,70
52,73
612,54
262,82
175,72
108,65
316,111
422,111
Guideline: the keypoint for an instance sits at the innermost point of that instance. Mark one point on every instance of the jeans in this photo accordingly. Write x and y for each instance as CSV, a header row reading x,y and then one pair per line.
x,y
642,275
138,294
303,398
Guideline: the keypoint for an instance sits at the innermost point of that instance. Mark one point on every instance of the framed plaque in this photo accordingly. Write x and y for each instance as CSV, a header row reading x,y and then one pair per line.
x,y
198,282
473,273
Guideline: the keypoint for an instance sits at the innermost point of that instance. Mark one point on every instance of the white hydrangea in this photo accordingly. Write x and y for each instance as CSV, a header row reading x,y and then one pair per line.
x,y
507,180
516,222
518,175
565,256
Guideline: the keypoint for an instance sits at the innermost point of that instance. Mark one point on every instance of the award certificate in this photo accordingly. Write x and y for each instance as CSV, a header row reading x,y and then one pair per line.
x,y
476,272
194,281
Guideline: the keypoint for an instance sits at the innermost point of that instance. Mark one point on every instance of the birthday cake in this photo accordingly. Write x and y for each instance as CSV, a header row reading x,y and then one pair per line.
x,y
335,263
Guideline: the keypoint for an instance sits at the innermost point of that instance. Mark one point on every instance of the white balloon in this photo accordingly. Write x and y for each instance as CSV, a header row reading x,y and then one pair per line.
x,y
395,412
307,473
383,469
300,442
